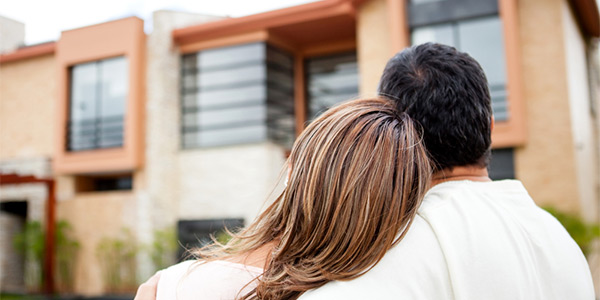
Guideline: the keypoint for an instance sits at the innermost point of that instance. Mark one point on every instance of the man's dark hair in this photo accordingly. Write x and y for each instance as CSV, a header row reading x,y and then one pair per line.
x,y
446,92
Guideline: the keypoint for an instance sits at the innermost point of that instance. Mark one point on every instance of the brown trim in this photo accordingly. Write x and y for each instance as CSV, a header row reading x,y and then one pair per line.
x,y
398,22
329,48
282,42
587,16
512,132
358,3
299,93
242,38
291,15
123,37
28,52
49,249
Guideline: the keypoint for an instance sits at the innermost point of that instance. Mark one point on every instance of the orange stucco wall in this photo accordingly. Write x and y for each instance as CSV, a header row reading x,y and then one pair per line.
x,y
123,37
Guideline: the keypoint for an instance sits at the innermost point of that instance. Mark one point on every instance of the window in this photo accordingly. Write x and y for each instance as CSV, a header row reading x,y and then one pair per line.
x,y
104,183
472,26
97,104
197,233
502,164
330,79
239,94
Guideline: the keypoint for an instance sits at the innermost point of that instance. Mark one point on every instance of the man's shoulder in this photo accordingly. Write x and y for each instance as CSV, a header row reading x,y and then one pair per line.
x,y
415,269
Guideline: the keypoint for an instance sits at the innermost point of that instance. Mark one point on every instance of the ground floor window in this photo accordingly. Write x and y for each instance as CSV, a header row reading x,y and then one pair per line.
x,y
197,233
502,165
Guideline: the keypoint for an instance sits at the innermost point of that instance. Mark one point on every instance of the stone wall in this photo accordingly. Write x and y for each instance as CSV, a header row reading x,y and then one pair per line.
x,y
12,34
374,44
12,273
12,264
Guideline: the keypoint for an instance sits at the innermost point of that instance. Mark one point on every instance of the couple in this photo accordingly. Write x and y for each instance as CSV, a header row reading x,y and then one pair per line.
x,y
390,199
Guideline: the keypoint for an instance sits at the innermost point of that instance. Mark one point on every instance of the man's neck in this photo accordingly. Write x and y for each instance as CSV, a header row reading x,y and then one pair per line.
x,y
473,173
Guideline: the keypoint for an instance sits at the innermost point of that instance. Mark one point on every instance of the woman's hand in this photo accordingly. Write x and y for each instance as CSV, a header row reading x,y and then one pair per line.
x,y
147,291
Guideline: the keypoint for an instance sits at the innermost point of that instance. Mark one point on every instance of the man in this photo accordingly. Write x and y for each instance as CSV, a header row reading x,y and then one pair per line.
x,y
472,238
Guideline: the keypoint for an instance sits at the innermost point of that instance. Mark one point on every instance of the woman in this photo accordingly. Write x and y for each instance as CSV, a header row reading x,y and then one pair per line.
x,y
356,177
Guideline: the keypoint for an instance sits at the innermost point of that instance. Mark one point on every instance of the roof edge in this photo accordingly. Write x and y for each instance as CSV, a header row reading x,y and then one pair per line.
x,y
587,16
28,52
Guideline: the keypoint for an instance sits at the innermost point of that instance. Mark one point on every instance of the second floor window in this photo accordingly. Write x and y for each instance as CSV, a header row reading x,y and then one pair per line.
x,y
236,95
330,79
98,95
471,26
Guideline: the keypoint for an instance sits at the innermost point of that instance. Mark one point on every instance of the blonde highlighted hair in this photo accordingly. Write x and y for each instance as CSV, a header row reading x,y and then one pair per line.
x,y
358,174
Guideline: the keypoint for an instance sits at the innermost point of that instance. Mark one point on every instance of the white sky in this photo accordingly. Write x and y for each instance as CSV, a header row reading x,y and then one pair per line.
x,y
45,19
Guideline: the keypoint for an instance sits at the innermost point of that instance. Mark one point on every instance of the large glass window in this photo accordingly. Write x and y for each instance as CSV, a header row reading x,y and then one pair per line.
x,y
240,94
330,79
472,27
97,104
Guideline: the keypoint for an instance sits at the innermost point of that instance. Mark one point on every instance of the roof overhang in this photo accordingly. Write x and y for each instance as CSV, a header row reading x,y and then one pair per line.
x,y
587,14
310,23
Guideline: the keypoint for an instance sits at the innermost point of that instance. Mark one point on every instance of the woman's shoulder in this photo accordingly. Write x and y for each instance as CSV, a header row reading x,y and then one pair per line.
x,y
211,280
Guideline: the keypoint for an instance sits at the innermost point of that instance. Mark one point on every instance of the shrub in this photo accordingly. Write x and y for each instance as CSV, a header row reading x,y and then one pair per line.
x,y
583,233
117,256
163,248
30,243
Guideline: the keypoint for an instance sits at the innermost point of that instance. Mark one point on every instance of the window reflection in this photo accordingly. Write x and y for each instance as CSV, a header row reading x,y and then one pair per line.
x,y
239,94
330,80
97,106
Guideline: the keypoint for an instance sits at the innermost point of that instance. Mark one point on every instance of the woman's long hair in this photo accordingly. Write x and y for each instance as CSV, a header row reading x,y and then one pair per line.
x,y
358,174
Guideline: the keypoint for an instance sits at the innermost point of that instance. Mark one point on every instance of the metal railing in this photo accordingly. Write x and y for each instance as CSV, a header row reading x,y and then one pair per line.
x,y
95,133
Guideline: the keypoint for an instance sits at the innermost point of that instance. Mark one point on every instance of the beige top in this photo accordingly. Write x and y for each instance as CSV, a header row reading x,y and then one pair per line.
x,y
214,280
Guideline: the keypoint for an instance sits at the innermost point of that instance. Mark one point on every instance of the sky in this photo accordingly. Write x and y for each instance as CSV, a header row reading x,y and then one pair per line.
x,y
45,19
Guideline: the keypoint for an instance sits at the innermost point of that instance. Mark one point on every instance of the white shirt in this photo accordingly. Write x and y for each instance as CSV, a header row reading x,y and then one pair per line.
x,y
214,280
475,240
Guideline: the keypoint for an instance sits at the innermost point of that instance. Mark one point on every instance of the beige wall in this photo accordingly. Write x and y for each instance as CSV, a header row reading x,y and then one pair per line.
x,y
546,164
27,104
374,44
94,216
228,182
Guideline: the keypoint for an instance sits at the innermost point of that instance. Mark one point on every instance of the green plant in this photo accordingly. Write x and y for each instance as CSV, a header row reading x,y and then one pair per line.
x,y
66,253
223,236
163,248
117,255
5,296
30,244
583,233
